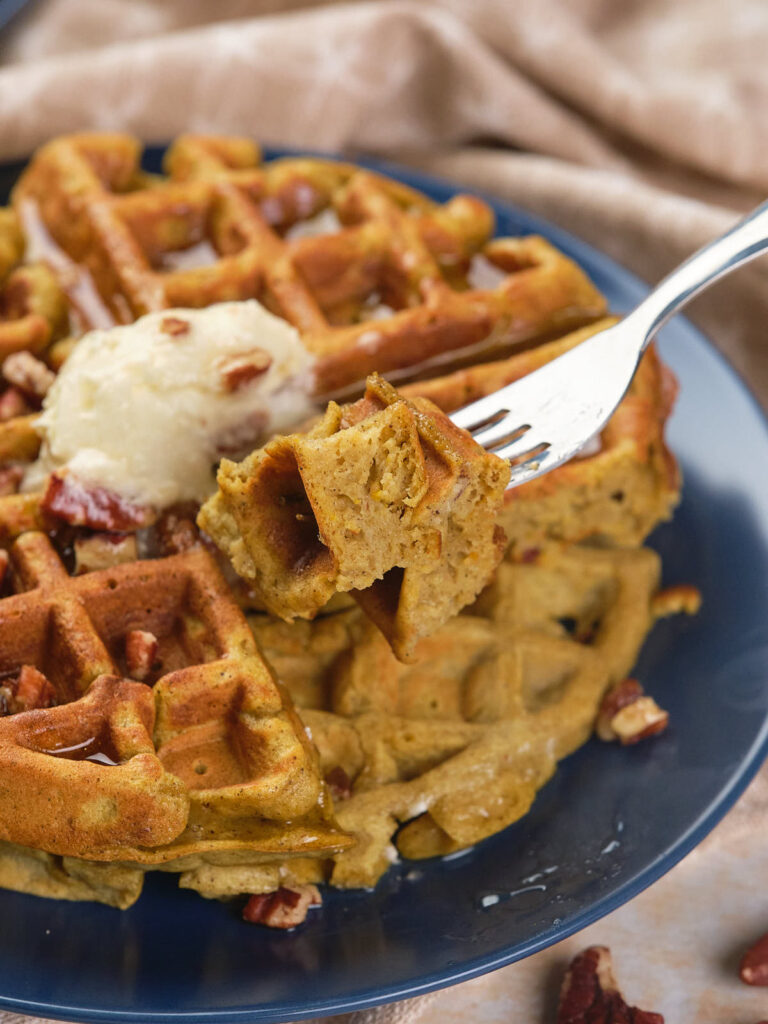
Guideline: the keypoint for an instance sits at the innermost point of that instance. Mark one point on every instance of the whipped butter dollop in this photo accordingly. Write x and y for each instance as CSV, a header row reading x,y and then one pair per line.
x,y
145,410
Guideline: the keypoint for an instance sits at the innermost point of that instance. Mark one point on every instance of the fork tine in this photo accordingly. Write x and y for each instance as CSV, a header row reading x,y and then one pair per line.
x,y
506,430
480,413
487,421
531,443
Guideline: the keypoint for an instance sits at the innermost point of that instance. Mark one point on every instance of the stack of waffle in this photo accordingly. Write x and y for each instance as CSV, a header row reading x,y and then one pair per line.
x,y
142,727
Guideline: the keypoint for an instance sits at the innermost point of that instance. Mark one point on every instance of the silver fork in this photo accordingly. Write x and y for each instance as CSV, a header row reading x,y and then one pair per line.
x,y
544,419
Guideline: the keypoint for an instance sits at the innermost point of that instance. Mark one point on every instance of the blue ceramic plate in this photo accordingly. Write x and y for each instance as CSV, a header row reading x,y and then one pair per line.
x,y
9,9
610,822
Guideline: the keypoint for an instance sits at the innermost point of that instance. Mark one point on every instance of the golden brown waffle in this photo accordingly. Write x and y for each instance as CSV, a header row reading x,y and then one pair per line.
x,y
389,284
454,747
375,277
387,287
384,498
33,315
205,756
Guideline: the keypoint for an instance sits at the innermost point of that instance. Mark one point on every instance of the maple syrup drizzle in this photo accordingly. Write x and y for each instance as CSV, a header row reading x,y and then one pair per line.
x,y
88,750
87,305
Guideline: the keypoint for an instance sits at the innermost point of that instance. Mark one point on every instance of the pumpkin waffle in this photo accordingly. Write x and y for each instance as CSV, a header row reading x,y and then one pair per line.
x,y
384,499
376,277
145,727
387,286
443,752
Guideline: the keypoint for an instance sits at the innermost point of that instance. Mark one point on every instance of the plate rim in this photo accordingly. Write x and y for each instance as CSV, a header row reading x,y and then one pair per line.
x,y
750,761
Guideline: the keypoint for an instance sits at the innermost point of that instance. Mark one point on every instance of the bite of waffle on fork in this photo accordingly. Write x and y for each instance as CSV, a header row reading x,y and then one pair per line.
x,y
376,277
384,499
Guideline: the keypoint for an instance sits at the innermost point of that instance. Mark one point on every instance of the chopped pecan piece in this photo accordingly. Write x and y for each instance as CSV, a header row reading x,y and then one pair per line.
x,y
241,370
627,715
590,994
29,375
32,690
10,478
673,600
284,908
174,326
339,783
103,550
140,653
79,504
12,404
175,531
754,964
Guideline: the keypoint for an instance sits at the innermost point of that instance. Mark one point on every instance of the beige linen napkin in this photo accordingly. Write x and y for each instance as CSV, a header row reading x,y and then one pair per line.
x,y
640,125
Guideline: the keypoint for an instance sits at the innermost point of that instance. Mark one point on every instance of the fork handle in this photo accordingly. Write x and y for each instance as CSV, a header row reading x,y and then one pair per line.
x,y
745,241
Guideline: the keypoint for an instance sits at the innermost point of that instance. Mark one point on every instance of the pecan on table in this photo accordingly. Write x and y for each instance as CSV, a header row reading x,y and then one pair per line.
x,y
590,994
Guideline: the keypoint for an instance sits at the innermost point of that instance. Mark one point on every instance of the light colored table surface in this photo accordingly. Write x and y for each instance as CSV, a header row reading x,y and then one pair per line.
x,y
676,946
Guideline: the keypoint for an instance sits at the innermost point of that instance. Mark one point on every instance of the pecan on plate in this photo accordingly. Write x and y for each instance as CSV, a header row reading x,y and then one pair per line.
x,y
10,478
28,374
103,550
175,530
238,371
629,716
81,504
672,600
753,968
140,653
590,994
32,690
13,404
339,783
284,908
174,326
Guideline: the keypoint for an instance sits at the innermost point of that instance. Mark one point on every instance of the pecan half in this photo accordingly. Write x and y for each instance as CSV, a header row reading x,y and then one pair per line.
x,y
590,994
29,375
32,690
241,370
673,600
339,783
627,715
175,531
10,478
103,550
753,969
80,504
140,653
12,404
284,908
174,326
529,556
